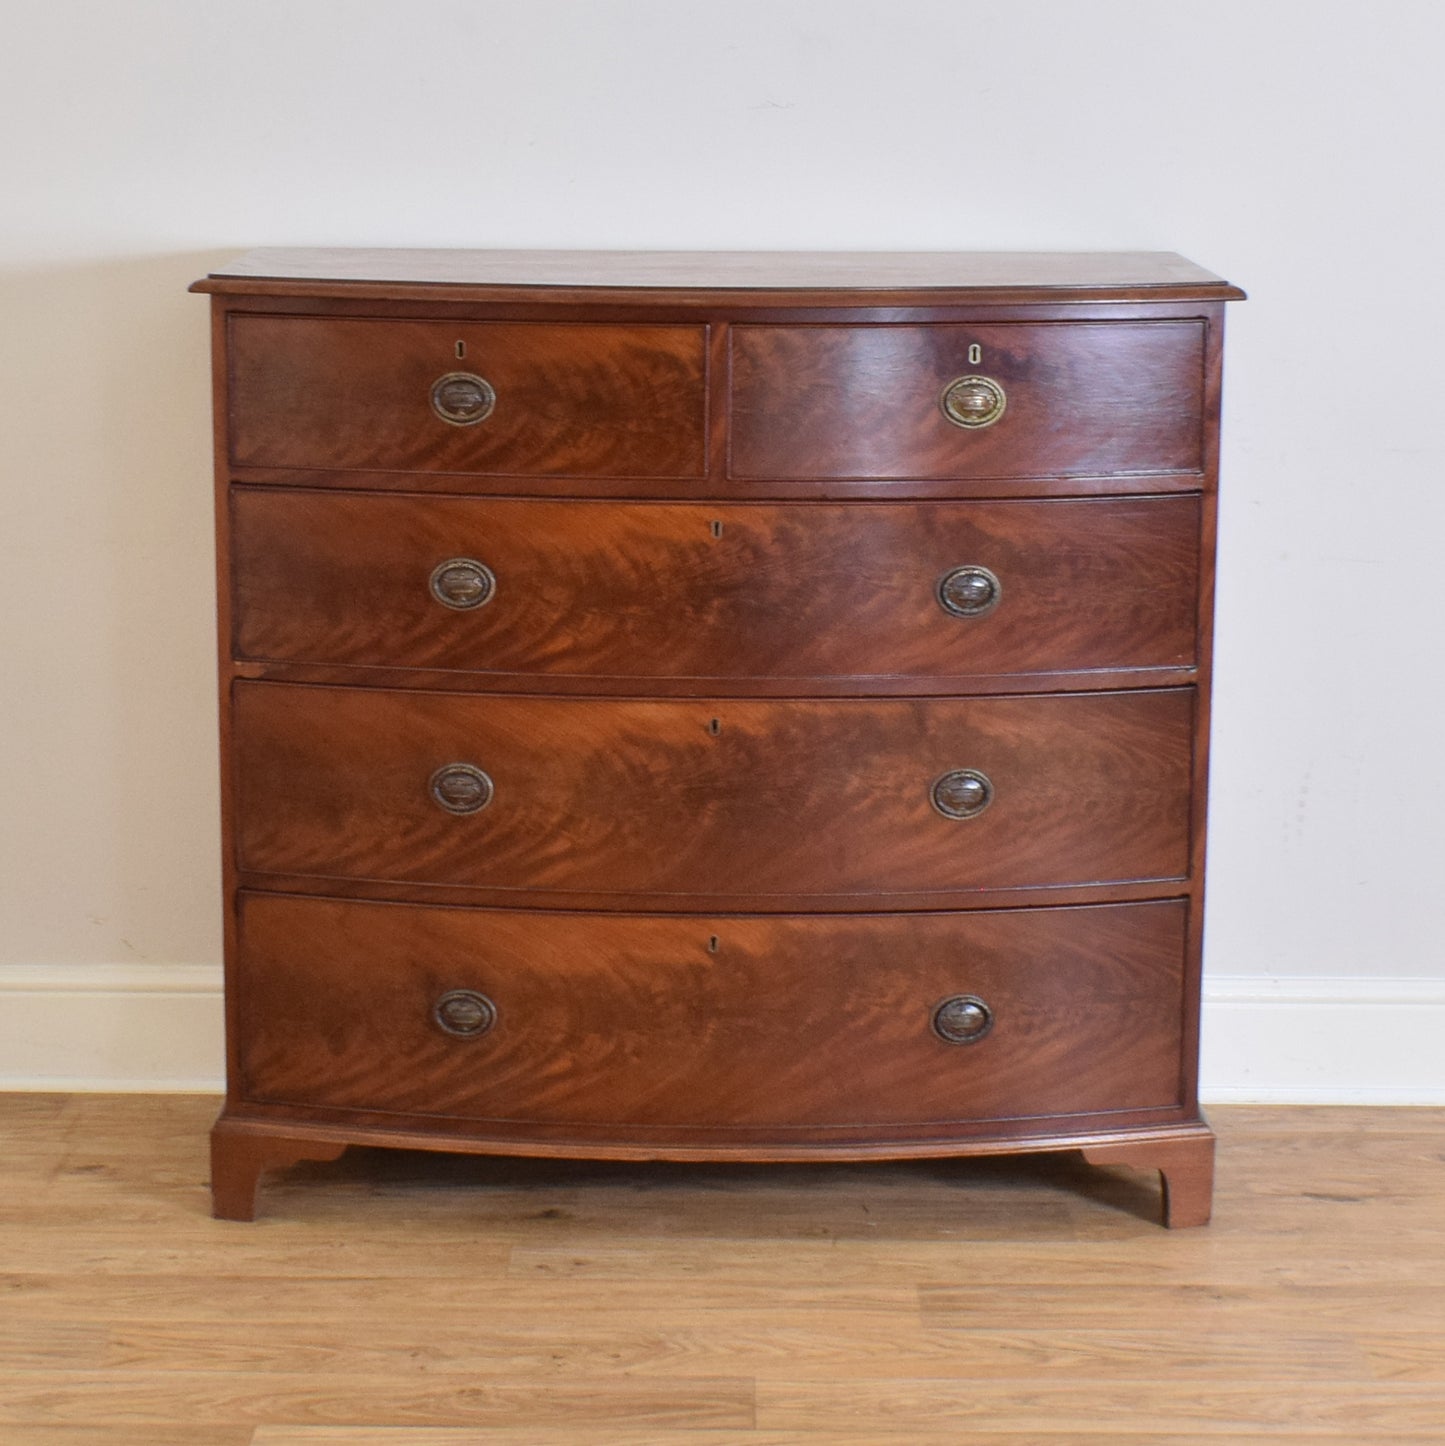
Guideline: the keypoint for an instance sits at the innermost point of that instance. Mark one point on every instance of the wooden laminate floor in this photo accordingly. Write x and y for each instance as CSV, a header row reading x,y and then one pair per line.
x,y
420,1300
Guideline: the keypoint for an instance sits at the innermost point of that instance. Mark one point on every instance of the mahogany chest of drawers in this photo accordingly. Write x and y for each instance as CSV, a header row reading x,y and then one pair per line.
x,y
715,707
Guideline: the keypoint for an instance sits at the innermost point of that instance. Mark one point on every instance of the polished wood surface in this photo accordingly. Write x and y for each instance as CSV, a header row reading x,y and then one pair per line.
x,y
1186,1169
571,399
751,802
666,1029
702,591
395,1299
1059,274
711,512
238,1161
859,401
735,489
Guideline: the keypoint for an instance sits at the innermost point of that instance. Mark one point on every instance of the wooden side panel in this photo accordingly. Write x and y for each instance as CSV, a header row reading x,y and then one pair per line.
x,y
572,399
732,799
721,590
689,1024
857,401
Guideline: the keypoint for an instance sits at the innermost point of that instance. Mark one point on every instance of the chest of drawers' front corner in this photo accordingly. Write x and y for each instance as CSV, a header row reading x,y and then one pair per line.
x,y
715,707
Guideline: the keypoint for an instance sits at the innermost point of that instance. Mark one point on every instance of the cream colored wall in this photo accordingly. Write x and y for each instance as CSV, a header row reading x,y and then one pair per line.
x,y
1294,146
107,760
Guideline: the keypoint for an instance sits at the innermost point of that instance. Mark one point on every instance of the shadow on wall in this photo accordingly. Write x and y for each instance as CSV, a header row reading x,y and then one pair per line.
x,y
106,567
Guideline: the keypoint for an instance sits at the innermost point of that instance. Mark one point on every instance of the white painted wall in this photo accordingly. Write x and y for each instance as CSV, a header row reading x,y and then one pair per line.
x,y
1294,146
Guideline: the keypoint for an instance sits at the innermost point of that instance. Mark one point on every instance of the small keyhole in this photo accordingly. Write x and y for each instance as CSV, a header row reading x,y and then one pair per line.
x,y
715,727
715,528
461,350
712,944
975,354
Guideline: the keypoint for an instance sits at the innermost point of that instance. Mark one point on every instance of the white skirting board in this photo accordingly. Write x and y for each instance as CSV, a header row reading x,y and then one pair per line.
x,y
1282,1040
1351,1041
132,1027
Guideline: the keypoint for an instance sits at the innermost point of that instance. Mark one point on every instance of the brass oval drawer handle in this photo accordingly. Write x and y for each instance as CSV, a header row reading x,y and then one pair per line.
x,y
463,398
464,1013
962,1019
462,583
973,402
962,793
969,592
460,788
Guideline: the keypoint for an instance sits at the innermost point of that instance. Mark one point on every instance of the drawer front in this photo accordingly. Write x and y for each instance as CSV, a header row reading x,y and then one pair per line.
x,y
729,1023
1079,399
726,591
725,799
567,399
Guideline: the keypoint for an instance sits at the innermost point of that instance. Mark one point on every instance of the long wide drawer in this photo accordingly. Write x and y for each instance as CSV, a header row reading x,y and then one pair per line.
x,y
1048,399
786,1024
556,399
725,591
728,799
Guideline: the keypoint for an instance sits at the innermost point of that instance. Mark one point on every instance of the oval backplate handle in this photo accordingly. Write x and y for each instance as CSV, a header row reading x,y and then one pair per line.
x,y
463,398
962,1019
462,583
460,788
464,1013
973,402
962,793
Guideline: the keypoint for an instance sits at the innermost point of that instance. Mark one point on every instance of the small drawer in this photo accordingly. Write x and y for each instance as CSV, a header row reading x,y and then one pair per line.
x,y
493,398
792,1026
731,799
1006,400
728,591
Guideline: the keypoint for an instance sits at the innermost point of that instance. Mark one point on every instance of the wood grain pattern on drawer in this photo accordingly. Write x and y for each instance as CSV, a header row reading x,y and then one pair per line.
x,y
727,799
1077,399
518,398
725,591
792,1023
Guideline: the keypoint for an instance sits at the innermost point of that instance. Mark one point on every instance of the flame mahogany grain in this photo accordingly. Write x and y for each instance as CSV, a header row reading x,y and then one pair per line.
x,y
709,899
1083,398
716,590
572,400
610,1026
644,799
